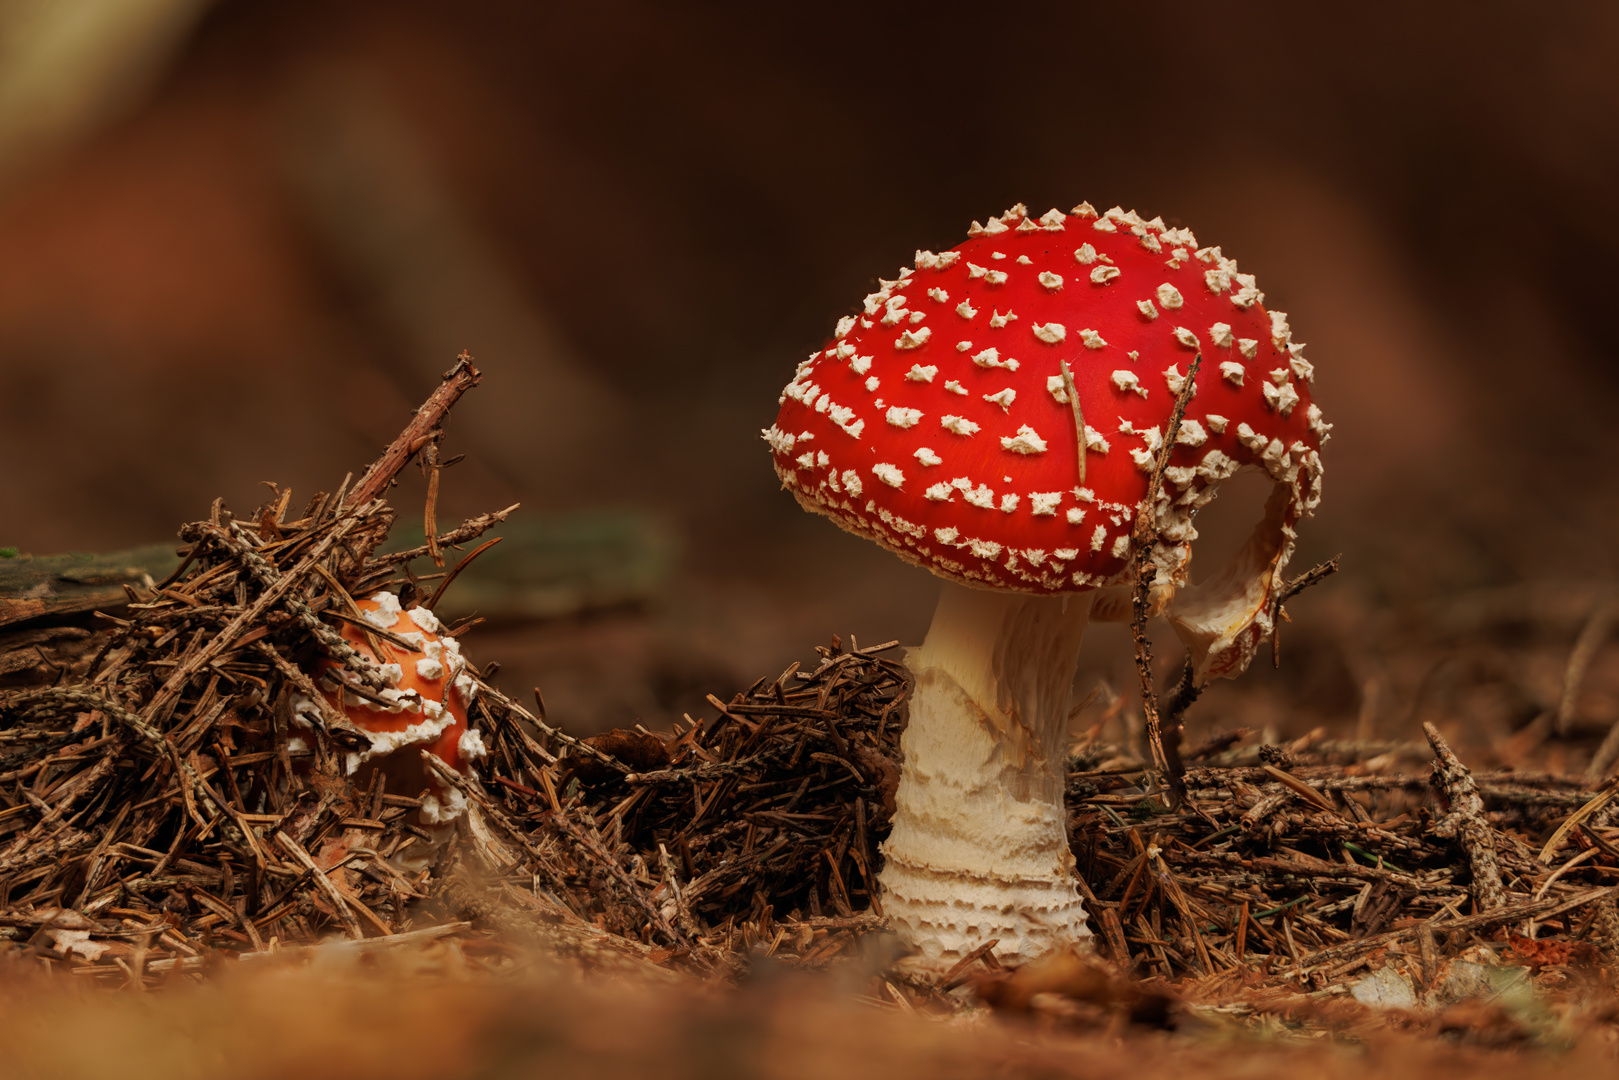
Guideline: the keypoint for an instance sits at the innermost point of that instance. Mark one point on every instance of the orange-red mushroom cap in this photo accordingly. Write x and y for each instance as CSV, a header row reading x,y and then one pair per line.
x,y
430,692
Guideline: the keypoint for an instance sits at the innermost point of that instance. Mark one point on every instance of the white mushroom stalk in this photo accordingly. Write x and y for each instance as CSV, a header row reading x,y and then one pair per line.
x,y
979,848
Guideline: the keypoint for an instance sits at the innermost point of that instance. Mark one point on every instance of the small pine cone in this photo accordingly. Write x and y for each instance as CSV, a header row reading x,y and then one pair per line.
x,y
1605,929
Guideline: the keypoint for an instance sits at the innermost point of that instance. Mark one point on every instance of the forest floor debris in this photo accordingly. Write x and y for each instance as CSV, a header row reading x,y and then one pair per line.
x,y
156,821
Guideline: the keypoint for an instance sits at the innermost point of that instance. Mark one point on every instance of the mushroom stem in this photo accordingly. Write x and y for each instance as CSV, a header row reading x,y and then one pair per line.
x,y
979,848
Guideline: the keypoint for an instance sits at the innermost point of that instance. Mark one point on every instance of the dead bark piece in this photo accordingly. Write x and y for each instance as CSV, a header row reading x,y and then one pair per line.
x,y
637,750
1268,804
1466,822
53,586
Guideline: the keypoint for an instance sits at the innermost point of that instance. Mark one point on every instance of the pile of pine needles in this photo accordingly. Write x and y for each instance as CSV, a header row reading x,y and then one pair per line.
x,y
153,809
751,836
1305,864
1286,867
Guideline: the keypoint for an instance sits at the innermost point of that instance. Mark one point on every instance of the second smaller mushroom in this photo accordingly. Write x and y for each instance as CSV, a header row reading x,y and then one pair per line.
x,y
429,691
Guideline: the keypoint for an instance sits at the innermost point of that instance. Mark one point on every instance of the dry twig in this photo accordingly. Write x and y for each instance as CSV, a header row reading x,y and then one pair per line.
x,y
1466,821
1165,750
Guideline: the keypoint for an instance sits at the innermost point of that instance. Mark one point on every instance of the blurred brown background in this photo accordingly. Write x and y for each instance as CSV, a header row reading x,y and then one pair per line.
x,y
238,242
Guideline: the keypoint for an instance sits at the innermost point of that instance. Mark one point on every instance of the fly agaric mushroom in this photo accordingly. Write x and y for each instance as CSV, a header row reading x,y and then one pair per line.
x,y
428,694
994,415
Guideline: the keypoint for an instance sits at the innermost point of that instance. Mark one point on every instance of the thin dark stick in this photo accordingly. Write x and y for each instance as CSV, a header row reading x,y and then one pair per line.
x,y
1313,576
467,530
438,593
1166,759
1172,725
422,429
1186,694
429,458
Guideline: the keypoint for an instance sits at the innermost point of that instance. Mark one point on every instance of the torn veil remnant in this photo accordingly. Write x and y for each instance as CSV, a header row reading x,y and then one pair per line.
x,y
949,421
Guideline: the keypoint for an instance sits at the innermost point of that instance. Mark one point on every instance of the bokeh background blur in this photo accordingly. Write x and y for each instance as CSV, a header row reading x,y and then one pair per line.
x,y
239,240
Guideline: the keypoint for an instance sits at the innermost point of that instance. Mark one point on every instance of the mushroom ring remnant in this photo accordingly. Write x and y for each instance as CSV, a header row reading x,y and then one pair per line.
x,y
994,414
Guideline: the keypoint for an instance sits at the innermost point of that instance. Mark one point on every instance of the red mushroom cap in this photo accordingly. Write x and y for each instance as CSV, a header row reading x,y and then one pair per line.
x,y
938,421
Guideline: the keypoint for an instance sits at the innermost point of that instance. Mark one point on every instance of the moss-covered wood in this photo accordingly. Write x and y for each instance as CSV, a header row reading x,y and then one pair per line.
x,y
44,586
